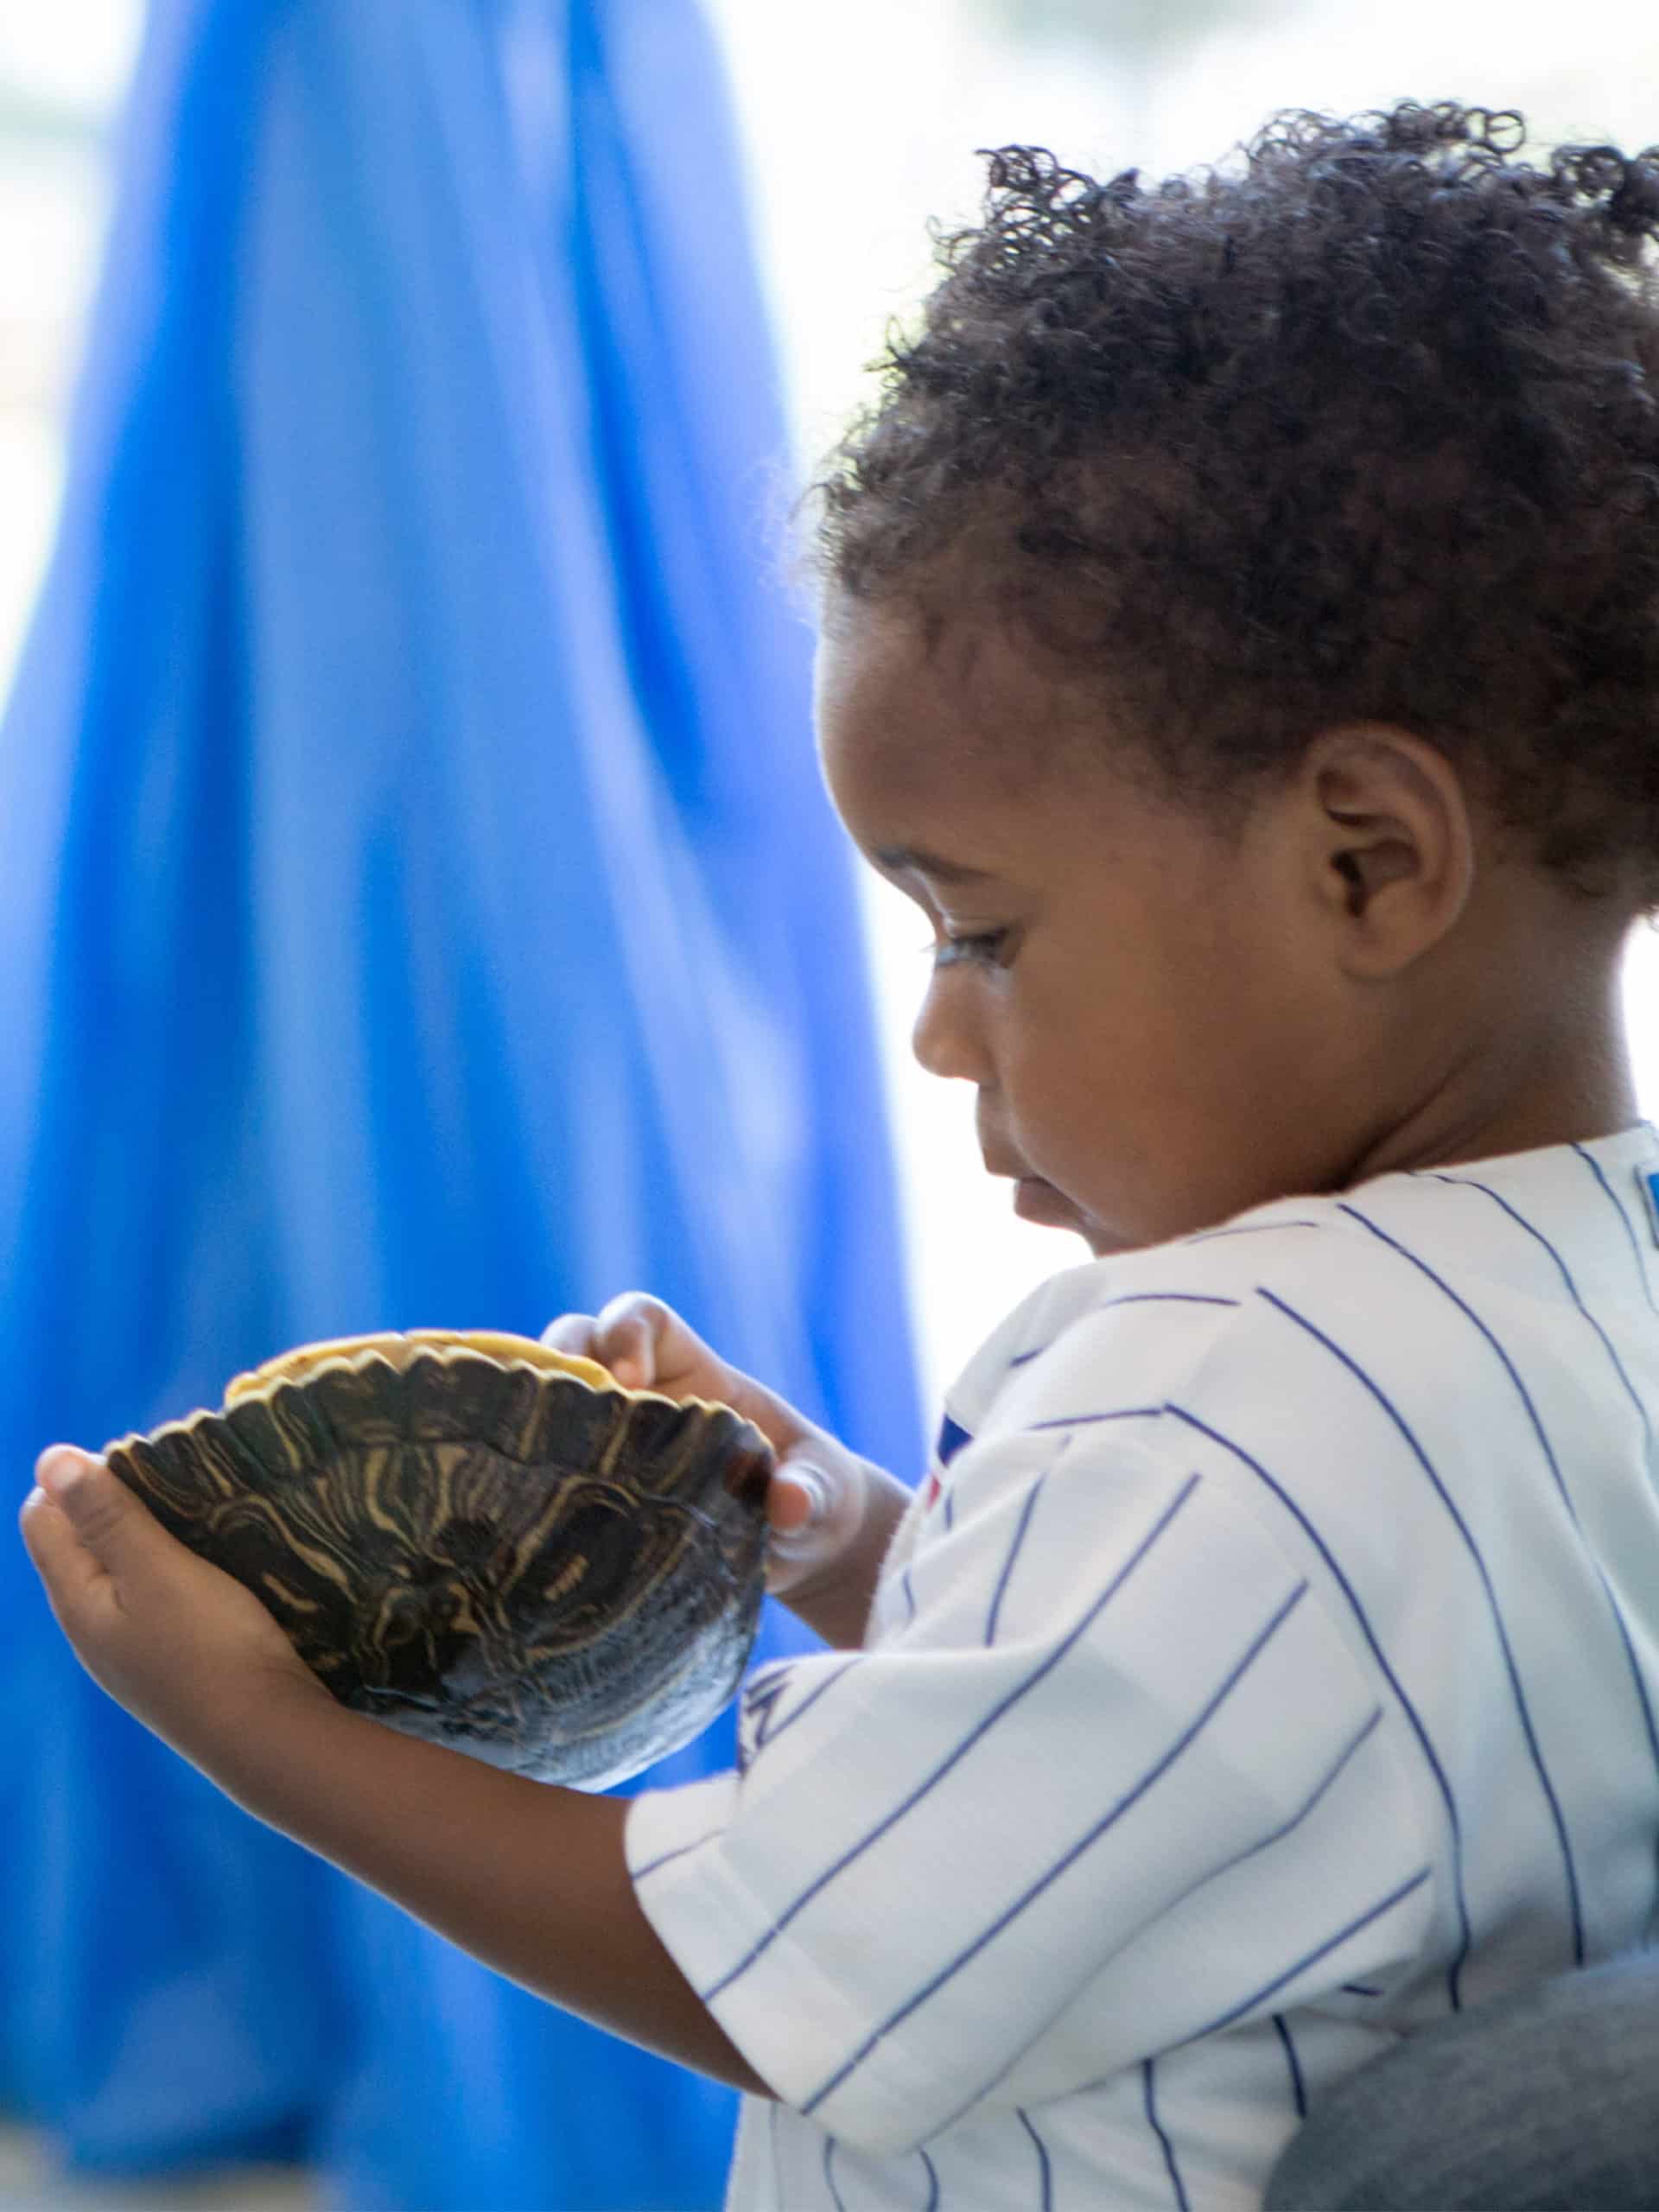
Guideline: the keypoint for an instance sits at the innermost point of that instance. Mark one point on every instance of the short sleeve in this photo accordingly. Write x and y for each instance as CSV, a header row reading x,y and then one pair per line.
x,y
1120,1764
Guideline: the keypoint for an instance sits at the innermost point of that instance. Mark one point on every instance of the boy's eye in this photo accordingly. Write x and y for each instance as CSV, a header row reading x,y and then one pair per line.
x,y
983,947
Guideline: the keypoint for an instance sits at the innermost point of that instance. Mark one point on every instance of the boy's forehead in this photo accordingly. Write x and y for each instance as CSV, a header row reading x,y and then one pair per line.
x,y
900,756
906,700
940,761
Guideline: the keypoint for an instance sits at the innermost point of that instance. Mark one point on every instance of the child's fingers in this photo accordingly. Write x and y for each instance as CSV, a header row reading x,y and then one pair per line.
x,y
627,1331
623,1337
69,1572
572,1332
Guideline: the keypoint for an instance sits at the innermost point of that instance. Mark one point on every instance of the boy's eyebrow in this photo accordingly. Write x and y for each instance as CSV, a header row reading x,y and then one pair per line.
x,y
900,859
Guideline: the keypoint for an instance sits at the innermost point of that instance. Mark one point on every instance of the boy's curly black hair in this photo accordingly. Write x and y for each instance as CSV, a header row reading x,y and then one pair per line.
x,y
1367,429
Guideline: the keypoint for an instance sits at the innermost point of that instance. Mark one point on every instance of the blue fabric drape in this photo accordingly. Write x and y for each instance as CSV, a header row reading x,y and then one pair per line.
x,y
417,904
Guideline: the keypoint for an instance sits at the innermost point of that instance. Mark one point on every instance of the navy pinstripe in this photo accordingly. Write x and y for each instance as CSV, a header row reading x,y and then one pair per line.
x,y
1213,1874
1466,1936
1051,1874
760,1701
1046,2178
1013,1553
829,2171
933,2204
1134,1297
807,1702
665,1858
1614,1607
1286,1828
1297,2089
1309,1959
980,1729
1084,1420
1594,1165
1468,1183
1156,2126
1575,1905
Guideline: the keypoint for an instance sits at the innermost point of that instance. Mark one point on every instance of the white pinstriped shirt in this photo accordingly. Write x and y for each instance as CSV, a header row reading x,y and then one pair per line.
x,y
1272,1665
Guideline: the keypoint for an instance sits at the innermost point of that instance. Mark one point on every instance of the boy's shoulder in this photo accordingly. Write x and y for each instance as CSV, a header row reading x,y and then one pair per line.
x,y
1131,1330
1391,1281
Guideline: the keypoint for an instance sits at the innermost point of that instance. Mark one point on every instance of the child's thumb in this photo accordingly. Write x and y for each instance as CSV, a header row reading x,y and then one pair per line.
x,y
813,1506
101,1509
799,1501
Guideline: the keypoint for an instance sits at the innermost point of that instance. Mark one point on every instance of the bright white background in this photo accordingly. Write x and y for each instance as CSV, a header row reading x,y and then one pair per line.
x,y
860,122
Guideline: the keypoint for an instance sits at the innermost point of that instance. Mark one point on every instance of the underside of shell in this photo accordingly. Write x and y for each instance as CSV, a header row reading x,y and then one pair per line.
x,y
482,1545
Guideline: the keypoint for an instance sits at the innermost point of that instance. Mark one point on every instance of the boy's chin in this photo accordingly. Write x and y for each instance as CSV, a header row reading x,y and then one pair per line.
x,y
1035,1200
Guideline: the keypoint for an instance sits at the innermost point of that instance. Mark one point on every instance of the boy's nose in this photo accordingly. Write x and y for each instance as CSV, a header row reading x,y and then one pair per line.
x,y
944,1043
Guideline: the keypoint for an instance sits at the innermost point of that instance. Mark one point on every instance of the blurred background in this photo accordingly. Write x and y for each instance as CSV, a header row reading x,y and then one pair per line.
x,y
848,130
858,126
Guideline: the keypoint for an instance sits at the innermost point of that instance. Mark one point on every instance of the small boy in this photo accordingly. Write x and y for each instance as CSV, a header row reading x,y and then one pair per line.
x,y
1242,640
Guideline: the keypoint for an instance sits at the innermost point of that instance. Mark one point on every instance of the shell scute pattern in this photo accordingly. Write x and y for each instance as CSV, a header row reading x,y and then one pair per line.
x,y
557,1577
363,1399
253,1431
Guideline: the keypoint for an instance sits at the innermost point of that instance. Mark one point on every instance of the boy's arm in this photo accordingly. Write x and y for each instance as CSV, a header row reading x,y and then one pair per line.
x,y
529,1878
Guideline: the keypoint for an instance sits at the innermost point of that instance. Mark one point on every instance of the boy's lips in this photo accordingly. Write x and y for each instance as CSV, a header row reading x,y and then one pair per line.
x,y
1033,1198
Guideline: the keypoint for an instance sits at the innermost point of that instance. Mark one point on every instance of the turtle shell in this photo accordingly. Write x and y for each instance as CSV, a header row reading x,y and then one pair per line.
x,y
481,1541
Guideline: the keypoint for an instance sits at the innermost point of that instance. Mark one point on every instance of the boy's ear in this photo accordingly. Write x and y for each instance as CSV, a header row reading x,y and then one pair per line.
x,y
1393,848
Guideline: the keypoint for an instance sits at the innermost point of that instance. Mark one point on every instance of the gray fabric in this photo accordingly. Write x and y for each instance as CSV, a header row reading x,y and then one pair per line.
x,y
1544,2100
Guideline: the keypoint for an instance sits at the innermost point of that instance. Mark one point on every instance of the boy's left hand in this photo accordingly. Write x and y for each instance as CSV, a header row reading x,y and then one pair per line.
x,y
181,1643
199,1660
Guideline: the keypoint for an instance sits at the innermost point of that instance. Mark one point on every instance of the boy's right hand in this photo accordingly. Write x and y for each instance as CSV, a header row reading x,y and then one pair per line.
x,y
831,1513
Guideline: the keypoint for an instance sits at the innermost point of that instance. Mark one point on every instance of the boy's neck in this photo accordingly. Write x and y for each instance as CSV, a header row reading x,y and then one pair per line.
x,y
1572,1088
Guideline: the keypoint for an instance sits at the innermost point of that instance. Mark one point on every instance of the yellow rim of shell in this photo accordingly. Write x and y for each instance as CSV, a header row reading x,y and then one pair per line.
x,y
400,1346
